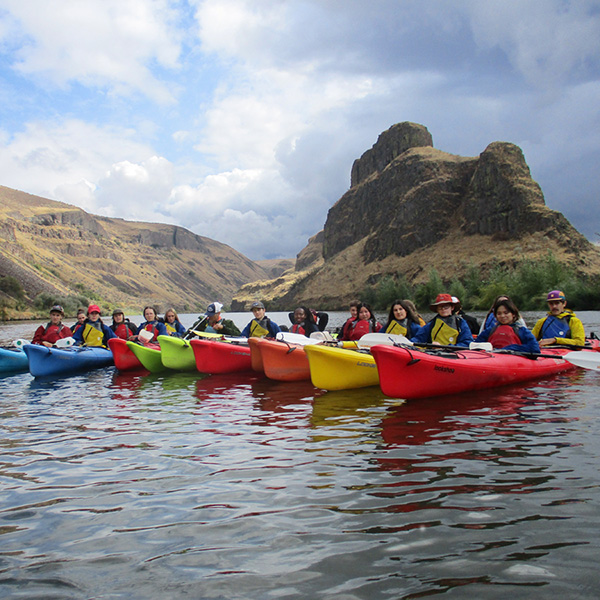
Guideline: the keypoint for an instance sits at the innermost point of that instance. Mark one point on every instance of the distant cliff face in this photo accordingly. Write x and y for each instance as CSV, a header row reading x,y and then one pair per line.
x,y
59,249
412,207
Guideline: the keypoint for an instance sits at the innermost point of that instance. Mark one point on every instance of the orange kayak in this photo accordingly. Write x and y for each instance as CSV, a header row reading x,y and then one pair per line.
x,y
213,356
282,361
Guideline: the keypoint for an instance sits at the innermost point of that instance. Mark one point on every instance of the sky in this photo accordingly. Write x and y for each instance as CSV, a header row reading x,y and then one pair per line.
x,y
240,119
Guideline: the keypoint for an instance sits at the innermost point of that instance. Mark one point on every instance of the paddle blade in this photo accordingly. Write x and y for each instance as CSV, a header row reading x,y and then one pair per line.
x,y
585,360
295,338
387,339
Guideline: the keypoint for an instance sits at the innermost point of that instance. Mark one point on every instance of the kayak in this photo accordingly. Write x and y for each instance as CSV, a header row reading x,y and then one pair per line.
x,y
12,360
213,356
412,373
256,356
176,353
52,362
125,359
148,355
282,361
334,368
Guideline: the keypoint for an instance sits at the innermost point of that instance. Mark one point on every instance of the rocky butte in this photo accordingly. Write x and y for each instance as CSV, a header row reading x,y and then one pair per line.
x,y
411,208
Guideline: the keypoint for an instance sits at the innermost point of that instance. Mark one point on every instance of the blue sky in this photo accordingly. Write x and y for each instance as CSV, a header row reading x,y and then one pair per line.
x,y
240,119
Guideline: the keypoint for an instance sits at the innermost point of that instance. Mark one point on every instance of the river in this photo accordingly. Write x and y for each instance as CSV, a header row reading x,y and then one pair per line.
x,y
118,485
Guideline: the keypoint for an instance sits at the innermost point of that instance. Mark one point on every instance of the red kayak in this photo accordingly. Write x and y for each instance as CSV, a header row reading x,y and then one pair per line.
x,y
281,361
213,356
125,359
407,372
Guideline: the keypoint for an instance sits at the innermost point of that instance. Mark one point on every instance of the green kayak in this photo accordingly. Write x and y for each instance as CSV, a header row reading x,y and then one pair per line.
x,y
148,355
176,353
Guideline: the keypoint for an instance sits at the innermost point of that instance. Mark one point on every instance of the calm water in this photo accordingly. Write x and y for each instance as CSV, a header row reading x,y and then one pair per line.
x,y
234,487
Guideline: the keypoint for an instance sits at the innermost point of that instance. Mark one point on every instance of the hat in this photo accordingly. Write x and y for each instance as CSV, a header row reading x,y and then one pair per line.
x,y
213,309
57,308
93,308
256,305
117,311
442,299
455,300
555,295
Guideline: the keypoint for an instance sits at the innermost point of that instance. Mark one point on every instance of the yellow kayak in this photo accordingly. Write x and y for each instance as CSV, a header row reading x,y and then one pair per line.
x,y
334,368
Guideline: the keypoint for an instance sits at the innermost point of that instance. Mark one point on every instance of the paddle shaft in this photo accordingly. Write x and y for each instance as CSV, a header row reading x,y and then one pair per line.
x,y
189,333
511,352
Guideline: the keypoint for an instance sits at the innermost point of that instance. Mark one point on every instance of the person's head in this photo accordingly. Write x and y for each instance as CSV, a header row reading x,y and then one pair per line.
x,y
299,315
506,312
497,299
397,311
556,302
56,314
354,308
93,312
81,316
213,312
171,316
443,305
411,309
150,313
258,310
118,316
364,312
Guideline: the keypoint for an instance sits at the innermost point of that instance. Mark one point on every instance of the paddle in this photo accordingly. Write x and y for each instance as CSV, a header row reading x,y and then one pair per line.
x,y
295,338
386,339
585,360
189,334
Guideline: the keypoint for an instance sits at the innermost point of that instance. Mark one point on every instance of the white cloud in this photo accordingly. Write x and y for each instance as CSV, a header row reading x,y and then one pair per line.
x,y
109,44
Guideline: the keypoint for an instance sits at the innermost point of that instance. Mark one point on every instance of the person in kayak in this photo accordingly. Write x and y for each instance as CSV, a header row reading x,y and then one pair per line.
x,y
402,320
49,334
471,321
94,332
344,334
304,322
560,325
445,329
507,333
123,328
261,325
151,324
80,320
365,323
173,324
490,318
215,323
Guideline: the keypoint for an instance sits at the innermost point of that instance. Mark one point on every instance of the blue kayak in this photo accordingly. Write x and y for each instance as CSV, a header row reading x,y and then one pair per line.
x,y
52,362
12,360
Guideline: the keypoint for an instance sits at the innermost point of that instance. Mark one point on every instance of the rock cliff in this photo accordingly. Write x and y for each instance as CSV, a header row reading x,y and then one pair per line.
x,y
62,250
412,207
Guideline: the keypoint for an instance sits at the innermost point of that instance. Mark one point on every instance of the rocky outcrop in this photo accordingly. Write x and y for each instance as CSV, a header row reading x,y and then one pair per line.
x,y
412,207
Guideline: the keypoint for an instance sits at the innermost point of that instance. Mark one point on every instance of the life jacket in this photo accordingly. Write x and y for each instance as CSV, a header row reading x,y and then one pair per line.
x,y
360,328
504,335
397,328
152,327
298,328
170,328
445,331
556,327
52,333
122,331
93,335
258,330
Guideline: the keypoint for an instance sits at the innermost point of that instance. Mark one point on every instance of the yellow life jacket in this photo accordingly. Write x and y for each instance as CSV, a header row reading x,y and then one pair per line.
x,y
257,330
170,328
443,333
395,328
93,336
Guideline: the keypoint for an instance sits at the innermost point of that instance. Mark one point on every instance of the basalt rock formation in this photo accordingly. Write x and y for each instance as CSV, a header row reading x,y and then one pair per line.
x,y
60,250
412,207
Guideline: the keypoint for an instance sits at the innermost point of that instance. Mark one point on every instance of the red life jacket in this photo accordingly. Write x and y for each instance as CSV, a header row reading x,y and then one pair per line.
x,y
504,335
122,331
361,328
296,328
151,327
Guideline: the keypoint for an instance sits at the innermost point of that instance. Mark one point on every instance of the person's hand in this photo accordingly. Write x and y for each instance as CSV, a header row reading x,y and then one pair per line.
x,y
548,342
48,344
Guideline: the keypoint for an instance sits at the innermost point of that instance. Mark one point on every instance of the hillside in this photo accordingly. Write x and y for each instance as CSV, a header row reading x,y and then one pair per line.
x,y
412,208
59,250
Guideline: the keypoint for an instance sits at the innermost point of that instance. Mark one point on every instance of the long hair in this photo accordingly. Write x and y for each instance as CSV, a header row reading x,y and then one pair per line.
x,y
510,306
152,309
409,307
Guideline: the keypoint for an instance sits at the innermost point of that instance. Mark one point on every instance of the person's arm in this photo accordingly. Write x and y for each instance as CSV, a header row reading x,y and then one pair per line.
x,y
537,328
465,337
246,330
529,343
484,335
423,336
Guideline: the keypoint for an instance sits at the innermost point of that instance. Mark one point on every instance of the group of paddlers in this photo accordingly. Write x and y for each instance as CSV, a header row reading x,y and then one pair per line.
x,y
503,326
